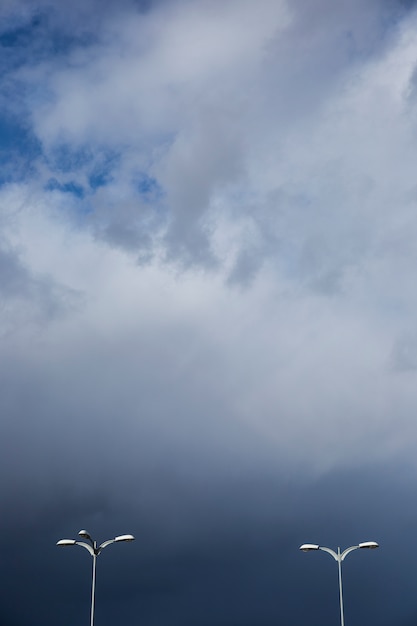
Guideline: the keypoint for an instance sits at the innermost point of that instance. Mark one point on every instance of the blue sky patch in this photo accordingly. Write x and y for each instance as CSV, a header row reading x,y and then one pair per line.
x,y
148,187
19,148
21,35
66,159
102,171
40,37
69,187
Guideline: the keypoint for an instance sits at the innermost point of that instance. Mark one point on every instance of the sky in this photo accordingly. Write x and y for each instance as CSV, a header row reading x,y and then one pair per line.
x,y
208,329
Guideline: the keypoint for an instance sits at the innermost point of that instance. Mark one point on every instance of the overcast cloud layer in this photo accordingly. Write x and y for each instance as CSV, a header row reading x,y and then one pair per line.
x,y
208,308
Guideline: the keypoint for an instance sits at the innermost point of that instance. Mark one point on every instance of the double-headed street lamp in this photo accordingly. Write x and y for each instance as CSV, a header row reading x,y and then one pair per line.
x,y
94,550
339,557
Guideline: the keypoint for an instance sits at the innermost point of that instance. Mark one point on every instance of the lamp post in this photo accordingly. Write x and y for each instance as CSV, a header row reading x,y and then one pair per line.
x,y
339,557
94,550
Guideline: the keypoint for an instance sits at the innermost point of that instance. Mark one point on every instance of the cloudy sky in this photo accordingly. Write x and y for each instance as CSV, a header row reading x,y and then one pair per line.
x,y
208,318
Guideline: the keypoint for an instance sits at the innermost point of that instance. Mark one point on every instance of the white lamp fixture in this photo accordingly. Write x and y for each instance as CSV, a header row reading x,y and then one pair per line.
x,y
339,557
94,550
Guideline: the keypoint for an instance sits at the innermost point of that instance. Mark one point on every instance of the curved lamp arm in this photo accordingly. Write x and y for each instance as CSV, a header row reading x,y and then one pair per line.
x,y
72,542
309,547
117,539
347,551
104,545
330,551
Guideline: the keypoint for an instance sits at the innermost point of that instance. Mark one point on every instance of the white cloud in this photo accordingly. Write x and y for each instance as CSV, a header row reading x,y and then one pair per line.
x,y
287,186
195,370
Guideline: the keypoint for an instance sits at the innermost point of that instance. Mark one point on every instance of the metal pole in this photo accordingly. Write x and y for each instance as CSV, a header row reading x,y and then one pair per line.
x,y
93,587
339,562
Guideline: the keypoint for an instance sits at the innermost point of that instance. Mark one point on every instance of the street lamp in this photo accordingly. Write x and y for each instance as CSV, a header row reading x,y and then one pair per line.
x,y
339,557
94,550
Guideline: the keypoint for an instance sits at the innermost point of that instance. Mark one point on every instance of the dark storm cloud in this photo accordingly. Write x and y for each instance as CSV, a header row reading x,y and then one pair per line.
x,y
218,513
122,428
238,563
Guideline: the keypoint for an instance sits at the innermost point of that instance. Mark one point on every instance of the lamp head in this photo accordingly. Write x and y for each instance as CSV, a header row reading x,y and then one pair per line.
x,y
369,544
66,542
124,538
307,547
85,534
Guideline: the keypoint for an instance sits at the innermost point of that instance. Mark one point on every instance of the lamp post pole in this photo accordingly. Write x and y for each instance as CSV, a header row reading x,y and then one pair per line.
x,y
93,589
94,550
339,557
339,565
